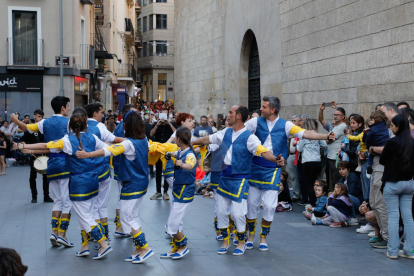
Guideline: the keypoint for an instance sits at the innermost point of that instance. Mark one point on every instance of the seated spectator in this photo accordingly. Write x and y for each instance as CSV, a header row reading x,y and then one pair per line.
x,y
365,210
377,135
321,192
353,183
284,200
397,158
199,173
339,208
202,184
11,263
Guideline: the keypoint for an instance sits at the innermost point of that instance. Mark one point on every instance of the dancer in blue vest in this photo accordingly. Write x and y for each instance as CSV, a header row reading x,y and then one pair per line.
x,y
241,145
133,172
55,128
273,133
183,192
100,209
119,132
84,185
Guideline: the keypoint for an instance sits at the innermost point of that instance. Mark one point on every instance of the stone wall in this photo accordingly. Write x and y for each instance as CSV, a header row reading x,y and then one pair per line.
x,y
356,52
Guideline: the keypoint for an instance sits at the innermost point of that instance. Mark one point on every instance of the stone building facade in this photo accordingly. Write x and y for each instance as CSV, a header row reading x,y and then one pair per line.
x,y
356,52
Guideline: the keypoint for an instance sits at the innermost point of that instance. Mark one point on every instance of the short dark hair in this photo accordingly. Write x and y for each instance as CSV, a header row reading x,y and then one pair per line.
x,y
126,108
244,112
11,263
27,115
39,112
207,164
92,108
220,116
109,110
344,165
80,111
58,102
285,174
134,126
340,109
204,116
322,183
403,103
378,116
409,113
257,111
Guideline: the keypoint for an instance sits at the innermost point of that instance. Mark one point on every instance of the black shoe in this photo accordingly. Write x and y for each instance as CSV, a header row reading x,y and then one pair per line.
x,y
48,199
34,200
152,175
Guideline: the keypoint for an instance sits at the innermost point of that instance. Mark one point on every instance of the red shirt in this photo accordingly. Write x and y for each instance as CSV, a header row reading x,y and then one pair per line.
x,y
200,174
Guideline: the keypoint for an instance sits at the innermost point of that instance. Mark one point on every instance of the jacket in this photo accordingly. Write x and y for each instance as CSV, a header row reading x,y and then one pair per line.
x,y
378,135
353,183
351,150
321,204
341,203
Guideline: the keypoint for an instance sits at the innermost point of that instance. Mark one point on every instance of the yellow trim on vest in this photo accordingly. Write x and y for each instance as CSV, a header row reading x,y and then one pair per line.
x,y
188,198
168,173
81,195
238,194
213,184
263,182
32,127
58,174
182,190
134,193
115,175
102,175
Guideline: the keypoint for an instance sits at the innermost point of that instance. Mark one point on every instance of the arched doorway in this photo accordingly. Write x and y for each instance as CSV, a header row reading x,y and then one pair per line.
x,y
254,77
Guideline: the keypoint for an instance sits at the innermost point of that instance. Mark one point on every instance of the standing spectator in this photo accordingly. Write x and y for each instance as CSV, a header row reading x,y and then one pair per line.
x,y
390,110
303,118
33,138
148,128
398,160
26,119
256,113
3,148
220,122
292,161
339,115
161,131
409,113
357,124
326,125
311,162
402,105
203,129
211,124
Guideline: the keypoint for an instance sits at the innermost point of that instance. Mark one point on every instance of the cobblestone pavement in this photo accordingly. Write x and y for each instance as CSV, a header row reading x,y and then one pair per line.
x,y
296,247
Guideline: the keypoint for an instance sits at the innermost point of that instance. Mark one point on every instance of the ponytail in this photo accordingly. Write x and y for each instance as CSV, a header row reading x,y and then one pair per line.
x,y
78,124
185,136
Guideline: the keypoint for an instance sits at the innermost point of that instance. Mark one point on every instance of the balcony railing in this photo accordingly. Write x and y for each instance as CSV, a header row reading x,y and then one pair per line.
x,y
127,70
99,13
88,2
87,60
129,27
25,52
137,9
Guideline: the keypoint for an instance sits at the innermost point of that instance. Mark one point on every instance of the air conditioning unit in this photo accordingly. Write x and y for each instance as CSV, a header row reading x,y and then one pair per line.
x,y
47,64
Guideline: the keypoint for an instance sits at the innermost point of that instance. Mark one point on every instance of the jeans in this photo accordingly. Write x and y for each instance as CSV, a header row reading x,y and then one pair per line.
x,y
365,181
355,205
399,196
293,175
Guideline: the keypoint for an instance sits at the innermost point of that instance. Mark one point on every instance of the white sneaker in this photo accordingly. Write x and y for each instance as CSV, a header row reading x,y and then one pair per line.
x,y
371,234
352,222
365,229
358,169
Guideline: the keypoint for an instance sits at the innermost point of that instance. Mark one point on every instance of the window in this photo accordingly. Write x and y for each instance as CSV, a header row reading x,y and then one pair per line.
x,y
161,48
139,53
145,2
24,38
144,28
161,21
139,24
151,22
144,49
139,2
161,1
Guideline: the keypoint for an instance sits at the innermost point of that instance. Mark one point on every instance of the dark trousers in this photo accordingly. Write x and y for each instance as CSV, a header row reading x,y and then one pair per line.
x,y
151,169
310,175
332,175
303,190
33,176
158,178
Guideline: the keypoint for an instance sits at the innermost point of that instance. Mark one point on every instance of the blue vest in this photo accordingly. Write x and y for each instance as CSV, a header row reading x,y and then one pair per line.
x,y
217,158
55,128
169,169
134,173
184,187
101,163
241,157
83,183
119,132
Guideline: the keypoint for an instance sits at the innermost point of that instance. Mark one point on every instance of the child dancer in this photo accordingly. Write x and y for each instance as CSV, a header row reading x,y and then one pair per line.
x,y
339,208
183,193
83,184
133,172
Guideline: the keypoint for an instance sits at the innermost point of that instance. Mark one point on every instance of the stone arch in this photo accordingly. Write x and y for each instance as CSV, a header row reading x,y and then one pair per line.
x,y
250,71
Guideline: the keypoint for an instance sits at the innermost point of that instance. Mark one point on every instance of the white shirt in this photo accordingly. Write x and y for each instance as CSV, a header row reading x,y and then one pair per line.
x,y
106,135
289,130
252,143
193,138
67,146
40,125
129,150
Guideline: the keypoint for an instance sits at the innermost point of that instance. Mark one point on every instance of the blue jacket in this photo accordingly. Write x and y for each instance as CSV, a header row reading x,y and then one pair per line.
x,y
342,204
378,135
354,186
321,204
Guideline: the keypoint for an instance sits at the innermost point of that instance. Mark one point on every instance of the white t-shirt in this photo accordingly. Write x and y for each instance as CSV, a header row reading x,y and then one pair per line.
x,y
40,125
129,150
290,129
106,135
67,146
252,143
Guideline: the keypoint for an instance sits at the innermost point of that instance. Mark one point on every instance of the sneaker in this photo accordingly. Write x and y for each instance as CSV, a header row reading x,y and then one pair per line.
x,y
352,222
392,257
358,169
166,197
344,224
373,240
403,255
380,244
308,216
371,234
365,229
156,196
34,200
335,225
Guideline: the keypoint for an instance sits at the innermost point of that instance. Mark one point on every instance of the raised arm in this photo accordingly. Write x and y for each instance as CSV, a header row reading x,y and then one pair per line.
x,y
14,119
312,135
321,119
202,141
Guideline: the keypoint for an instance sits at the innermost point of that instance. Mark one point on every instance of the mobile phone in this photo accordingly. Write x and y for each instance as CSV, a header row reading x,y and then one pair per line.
x,y
327,104
163,116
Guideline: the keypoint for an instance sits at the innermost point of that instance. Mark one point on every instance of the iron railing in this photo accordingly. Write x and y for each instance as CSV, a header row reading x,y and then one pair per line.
x,y
127,70
25,52
87,54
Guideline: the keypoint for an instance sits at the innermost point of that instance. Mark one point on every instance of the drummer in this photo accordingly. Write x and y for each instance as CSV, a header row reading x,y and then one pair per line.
x,y
55,128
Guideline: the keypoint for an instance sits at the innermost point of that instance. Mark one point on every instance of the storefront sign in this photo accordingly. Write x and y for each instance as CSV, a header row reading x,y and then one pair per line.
x,y
66,61
81,86
21,83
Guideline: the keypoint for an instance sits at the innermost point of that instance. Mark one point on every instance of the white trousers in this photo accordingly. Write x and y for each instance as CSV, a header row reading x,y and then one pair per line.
x,y
84,211
118,203
129,214
256,197
215,203
175,219
226,207
170,181
100,205
60,192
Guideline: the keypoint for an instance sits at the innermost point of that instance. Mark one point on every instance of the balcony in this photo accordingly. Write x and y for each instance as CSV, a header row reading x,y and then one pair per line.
x,y
127,72
137,9
88,2
87,60
25,52
129,27
99,13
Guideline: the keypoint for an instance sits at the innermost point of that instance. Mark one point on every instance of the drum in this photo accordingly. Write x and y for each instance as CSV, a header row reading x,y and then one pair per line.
x,y
40,164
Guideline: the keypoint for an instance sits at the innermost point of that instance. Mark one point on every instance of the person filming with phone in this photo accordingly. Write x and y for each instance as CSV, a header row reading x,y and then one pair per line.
x,y
161,131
